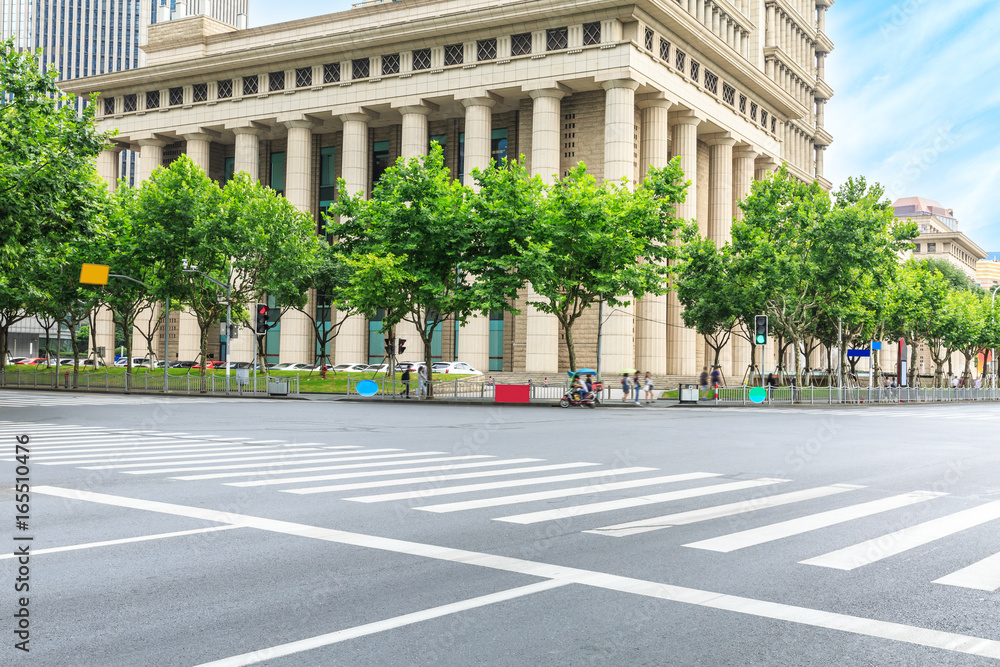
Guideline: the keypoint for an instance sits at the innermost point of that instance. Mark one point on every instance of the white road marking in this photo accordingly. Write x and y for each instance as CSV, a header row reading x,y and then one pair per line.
x,y
641,501
127,540
777,531
983,576
190,459
326,458
488,486
947,641
131,444
292,648
380,464
563,493
128,453
719,511
871,551
379,473
432,479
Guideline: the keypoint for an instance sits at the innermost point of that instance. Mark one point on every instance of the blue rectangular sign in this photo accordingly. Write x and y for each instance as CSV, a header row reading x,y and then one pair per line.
x,y
876,345
859,353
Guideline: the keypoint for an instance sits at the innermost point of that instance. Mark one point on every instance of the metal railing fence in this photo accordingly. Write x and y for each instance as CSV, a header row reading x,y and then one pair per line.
x,y
851,395
153,382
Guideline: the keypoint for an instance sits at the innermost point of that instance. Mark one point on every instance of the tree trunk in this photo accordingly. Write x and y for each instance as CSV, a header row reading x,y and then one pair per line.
x,y
426,339
75,346
203,333
912,375
3,351
570,345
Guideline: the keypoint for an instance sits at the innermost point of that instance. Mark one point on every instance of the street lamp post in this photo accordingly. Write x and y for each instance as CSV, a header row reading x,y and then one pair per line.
x,y
229,309
993,350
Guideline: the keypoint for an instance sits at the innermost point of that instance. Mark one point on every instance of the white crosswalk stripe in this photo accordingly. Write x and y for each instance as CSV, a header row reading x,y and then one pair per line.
x,y
983,576
778,531
352,466
271,464
895,543
22,399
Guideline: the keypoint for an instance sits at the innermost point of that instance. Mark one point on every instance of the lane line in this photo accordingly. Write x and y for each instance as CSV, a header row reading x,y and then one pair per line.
x,y
488,486
127,453
189,459
871,551
380,464
983,575
326,458
328,639
127,540
432,479
641,501
719,511
563,493
376,473
805,524
804,616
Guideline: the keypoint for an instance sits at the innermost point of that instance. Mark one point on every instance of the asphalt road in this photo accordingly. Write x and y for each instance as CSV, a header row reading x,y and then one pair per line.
x,y
228,532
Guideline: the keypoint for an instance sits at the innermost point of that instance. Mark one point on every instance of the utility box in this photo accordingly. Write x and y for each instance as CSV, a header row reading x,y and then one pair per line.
x,y
688,394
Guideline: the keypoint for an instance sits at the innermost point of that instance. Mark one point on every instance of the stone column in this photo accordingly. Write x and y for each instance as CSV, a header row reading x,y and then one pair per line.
x,y
681,341
298,340
772,28
415,137
545,151
618,329
651,311
542,329
820,113
108,166
352,341
104,335
247,152
764,167
199,148
743,175
720,215
150,157
819,160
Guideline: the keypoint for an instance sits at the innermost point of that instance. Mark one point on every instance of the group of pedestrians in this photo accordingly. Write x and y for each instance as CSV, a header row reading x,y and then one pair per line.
x,y
421,382
710,383
631,386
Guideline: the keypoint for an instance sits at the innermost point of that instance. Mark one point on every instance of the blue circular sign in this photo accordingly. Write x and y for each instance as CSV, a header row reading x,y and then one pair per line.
x,y
758,394
367,388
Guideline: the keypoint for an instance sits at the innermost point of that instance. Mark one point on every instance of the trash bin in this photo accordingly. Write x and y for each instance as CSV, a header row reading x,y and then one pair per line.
x,y
688,394
277,388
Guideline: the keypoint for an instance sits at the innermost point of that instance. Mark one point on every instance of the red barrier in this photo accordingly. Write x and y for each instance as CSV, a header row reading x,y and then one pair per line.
x,y
512,393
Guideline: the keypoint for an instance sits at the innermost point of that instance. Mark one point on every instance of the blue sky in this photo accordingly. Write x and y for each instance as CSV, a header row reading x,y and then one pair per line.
x,y
916,105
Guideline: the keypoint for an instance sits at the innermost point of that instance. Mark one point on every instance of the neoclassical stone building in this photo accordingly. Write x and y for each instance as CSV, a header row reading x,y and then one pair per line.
x,y
732,87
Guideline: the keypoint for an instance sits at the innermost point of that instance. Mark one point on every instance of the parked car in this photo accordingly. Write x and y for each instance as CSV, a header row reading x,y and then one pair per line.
x,y
32,361
93,363
377,368
348,368
414,366
136,361
292,367
13,361
454,367
184,364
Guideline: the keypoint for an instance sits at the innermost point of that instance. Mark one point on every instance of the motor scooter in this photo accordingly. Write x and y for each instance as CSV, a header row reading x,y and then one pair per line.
x,y
579,395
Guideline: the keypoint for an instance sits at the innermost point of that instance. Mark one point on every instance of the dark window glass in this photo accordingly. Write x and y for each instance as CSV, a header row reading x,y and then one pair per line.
x,y
129,103
200,92
360,68
109,106
421,59
556,39
303,77
648,39
331,73
486,49
153,99
390,64
276,81
591,33
454,55
176,96
250,84
520,45
380,160
225,89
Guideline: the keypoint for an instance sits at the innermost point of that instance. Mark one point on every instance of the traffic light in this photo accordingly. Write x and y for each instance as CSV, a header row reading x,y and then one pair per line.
x,y
760,330
401,346
389,345
261,318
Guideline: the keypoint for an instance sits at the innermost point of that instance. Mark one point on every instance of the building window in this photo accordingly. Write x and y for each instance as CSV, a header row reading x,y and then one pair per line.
x,y
153,99
109,106
250,85
225,89
695,71
679,60
303,77
743,104
327,178
556,39
648,39
591,33
486,49
421,59
772,125
664,50
380,160
520,45
498,145
711,83
442,141
454,55
496,340
129,103
176,96
360,68
728,94
276,81
199,92
932,247
390,64
229,171
278,172
331,73
753,111
763,118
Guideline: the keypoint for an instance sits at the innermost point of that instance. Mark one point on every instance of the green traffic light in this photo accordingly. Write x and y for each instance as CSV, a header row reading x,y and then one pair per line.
x,y
761,339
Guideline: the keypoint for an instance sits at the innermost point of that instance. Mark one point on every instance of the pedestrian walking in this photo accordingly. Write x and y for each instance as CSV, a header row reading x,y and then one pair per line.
x,y
648,386
422,382
703,383
636,387
406,382
716,381
626,387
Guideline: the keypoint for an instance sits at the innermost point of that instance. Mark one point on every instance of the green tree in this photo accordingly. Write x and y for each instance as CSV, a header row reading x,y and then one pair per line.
x,y
968,331
47,151
706,288
593,242
330,281
918,308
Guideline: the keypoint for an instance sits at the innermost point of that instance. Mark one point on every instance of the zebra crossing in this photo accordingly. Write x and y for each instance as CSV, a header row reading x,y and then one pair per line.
x,y
518,491
24,399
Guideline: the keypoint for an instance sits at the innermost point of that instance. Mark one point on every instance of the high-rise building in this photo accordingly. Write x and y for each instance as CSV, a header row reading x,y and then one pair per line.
x,y
89,37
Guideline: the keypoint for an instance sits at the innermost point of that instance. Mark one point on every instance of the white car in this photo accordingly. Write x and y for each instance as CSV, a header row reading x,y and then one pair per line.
x,y
287,366
349,368
454,368
377,368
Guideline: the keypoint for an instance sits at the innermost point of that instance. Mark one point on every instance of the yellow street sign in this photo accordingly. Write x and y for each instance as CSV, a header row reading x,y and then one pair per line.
x,y
94,274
